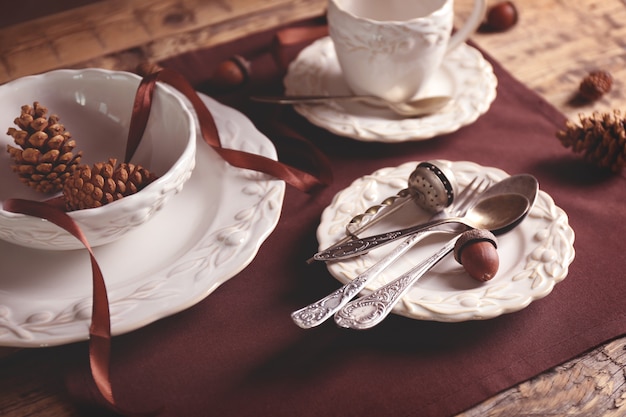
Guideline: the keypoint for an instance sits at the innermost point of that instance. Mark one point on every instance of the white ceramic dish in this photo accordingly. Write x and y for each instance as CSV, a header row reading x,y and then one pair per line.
x,y
465,75
95,105
204,236
534,256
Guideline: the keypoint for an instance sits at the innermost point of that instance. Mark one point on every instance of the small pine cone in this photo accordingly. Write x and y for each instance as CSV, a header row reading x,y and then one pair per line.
x,y
45,156
595,85
105,182
600,138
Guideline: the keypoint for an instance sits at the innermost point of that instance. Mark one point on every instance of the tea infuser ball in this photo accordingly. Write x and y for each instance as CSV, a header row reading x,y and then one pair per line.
x,y
433,186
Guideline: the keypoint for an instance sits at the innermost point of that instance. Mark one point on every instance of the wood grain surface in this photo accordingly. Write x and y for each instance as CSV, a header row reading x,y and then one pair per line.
x,y
554,44
118,34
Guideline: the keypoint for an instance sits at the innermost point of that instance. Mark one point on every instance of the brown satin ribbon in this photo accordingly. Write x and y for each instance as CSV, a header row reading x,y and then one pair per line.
x,y
100,328
301,180
53,210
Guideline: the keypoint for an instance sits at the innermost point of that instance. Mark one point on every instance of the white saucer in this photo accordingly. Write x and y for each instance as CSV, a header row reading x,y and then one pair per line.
x,y
534,256
465,75
204,236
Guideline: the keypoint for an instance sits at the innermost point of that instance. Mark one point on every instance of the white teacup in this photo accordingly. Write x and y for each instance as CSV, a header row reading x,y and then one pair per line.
x,y
390,48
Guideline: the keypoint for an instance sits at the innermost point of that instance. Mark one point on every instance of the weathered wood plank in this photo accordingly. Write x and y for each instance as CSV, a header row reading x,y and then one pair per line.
x,y
556,43
592,385
114,26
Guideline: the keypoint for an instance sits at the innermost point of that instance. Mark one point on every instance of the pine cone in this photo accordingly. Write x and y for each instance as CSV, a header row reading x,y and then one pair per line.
x,y
595,85
104,183
45,156
601,139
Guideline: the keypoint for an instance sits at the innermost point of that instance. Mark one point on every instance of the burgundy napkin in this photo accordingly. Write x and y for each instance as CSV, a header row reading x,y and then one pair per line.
x,y
237,353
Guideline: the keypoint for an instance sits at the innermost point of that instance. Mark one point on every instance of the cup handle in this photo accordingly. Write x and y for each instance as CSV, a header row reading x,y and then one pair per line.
x,y
470,26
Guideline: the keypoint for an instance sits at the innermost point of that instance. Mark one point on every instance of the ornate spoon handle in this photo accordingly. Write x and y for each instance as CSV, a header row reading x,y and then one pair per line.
x,y
369,310
358,246
371,216
316,313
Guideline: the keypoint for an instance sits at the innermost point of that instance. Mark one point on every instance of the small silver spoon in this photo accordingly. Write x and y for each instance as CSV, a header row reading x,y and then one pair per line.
x,y
430,186
491,213
413,108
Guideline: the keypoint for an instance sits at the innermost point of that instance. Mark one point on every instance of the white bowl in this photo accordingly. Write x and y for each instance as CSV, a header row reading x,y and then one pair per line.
x,y
95,106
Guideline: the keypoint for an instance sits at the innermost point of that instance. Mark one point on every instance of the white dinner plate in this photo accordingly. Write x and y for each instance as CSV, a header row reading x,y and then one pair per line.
x,y
465,75
207,234
534,256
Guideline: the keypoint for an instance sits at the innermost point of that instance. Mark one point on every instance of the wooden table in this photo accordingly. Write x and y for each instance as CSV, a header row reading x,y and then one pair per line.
x,y
554,44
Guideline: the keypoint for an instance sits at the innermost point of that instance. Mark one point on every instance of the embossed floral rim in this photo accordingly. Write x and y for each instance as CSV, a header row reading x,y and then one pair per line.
x,y
534,257
316,71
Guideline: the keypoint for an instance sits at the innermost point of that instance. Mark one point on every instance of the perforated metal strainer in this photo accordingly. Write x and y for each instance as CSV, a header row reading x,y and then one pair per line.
x,y
430,186
433,187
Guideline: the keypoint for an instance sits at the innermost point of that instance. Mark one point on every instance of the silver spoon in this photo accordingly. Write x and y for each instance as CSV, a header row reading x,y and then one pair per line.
x,y
491,213
369,310
430,186
413,108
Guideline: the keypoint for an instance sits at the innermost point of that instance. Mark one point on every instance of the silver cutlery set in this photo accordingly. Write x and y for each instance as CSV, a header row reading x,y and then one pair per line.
x,y
495,207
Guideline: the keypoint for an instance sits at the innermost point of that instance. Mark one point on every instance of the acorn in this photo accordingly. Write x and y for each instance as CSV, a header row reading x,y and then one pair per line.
x,y
233,72
476,250
500,17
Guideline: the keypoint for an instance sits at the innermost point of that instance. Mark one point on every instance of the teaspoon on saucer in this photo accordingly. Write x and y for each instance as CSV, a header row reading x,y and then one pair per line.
x,y
413,108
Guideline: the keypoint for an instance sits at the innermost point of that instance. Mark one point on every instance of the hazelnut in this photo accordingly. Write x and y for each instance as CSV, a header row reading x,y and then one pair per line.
x,y
476,251
233,72
501,17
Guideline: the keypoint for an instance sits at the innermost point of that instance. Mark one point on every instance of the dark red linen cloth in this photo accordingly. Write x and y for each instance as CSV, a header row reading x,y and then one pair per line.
x,y
237,353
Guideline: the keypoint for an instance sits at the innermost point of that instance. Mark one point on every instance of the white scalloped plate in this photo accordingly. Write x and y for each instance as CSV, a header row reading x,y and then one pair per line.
x,y
465,75
206,235
534,256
